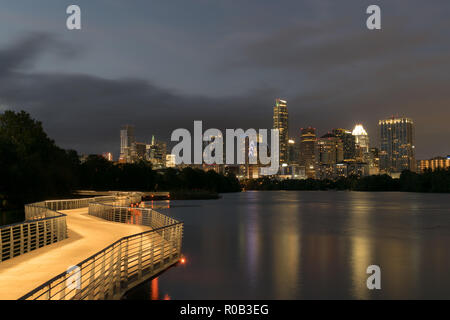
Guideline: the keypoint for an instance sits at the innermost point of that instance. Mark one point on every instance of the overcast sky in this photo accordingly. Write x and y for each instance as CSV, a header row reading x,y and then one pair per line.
x,y
160,65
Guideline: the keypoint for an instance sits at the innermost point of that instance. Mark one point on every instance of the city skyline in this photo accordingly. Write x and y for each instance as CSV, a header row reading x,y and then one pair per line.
x,y
175,68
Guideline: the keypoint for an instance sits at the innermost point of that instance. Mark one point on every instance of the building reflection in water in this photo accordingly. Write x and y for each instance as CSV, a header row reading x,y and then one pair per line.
x,y
361,248
154,292
252,244
396,248
285,238
310,245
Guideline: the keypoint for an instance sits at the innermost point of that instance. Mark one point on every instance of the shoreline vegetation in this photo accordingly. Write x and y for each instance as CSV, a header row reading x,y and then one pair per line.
x,y
33,168
428,182
191,195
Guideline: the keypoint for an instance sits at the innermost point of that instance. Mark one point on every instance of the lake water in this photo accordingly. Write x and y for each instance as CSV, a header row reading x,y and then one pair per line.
x,y
309,245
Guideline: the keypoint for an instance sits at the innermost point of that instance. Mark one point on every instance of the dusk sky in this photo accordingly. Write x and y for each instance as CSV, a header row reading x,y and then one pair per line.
x,y
160,65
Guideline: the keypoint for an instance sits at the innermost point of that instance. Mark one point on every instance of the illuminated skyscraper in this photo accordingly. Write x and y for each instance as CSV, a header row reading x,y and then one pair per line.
x,y
307,151
127,141
329,150
140,150
397,151
108,156
156,153
280,122
293,152
362,153
348,141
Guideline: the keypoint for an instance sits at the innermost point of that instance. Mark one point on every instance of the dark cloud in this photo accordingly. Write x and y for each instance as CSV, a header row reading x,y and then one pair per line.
x,y
85,112
332,71
347,75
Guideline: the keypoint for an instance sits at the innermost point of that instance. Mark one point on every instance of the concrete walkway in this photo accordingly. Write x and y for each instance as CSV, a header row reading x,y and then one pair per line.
x,y
87,236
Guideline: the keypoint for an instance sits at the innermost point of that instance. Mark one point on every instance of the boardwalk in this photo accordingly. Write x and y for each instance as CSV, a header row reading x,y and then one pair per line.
x,y
87,235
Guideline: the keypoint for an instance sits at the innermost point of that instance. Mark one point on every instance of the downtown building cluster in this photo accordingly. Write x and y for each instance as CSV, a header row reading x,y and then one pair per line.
x,y
343,152
340,152
132,151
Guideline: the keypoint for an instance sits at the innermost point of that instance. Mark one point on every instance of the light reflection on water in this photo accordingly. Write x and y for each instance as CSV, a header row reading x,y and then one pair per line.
x,y
307,245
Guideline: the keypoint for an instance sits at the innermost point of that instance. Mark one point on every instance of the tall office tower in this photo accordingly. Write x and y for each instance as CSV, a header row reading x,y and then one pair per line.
x,y
348,141
280,122
307,151
156,153
293,152
397,151
330,150
108,156
374,167
140,150
127,141
362,153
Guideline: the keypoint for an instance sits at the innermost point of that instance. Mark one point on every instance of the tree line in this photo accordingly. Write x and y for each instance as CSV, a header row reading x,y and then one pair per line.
x,y
34,168
429,181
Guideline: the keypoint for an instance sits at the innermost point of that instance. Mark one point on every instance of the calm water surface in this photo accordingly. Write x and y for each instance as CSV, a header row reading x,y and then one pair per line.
x,y
307,245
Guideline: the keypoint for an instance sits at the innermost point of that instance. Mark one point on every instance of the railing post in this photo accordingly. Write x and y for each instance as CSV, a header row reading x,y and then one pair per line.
x,y
162,247
102,278
92,280
111,269
21,239
119,267
152,250
140,259
62,294
125,262
1,246
49,291
11,243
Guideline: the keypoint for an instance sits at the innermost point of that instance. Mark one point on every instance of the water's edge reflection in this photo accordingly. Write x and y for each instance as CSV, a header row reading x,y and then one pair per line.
x,y
307,245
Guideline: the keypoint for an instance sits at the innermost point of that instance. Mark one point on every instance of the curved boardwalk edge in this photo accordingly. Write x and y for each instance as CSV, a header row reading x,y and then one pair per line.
x,y
111,272
43,225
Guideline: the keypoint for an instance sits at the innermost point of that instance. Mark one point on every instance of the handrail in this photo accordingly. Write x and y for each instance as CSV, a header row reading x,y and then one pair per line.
x,y
92,257
44,224
109,273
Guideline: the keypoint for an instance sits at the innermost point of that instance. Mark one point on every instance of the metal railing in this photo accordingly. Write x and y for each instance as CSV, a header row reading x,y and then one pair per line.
x,y
44,225
47,227
141,216
109,273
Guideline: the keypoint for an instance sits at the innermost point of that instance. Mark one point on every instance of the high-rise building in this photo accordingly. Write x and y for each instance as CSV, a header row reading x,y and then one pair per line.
x,y
362,153
330,150
127,141
397,150
329,153
156,153
293,152
170,161
348,141
307,150
108,156
436,163
280,122
140,149
374,167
